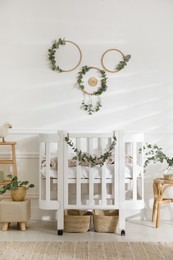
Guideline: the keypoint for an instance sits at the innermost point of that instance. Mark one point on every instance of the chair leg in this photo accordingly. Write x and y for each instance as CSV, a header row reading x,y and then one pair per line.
x,y
22,226
154,209
5,226
158,215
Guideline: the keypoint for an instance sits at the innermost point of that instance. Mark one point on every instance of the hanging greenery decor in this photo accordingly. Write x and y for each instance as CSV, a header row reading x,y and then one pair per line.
x,y
92,101
92,161
120,65
123,63
155,154
52,51
88,106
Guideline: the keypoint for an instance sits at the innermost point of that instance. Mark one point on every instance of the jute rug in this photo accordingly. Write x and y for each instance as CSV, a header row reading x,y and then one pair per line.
x,y
85,250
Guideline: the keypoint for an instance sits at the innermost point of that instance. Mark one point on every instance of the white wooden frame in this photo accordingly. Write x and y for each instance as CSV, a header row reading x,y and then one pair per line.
x,y
119,201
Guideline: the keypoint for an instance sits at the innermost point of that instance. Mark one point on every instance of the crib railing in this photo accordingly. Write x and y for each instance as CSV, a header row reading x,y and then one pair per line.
x,y
93,181
133,143
49,146
86,187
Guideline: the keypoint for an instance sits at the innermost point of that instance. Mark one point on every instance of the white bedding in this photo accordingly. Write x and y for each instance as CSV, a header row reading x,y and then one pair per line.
x,y
97,171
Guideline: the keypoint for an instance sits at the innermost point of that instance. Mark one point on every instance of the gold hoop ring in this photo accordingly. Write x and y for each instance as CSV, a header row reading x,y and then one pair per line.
x,y
52,51
103,86
103,56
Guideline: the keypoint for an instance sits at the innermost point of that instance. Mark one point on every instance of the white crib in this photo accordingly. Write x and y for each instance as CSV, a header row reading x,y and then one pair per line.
x,y
70,184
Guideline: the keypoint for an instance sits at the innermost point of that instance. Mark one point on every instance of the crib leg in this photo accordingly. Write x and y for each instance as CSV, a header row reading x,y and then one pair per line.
x,y
60,232
123,232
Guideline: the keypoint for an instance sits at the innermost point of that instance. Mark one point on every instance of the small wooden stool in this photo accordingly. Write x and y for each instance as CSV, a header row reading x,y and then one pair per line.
x,y
14,211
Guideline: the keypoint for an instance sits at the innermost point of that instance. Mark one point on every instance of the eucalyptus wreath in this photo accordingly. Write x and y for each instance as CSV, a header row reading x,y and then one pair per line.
x,y
120,65
89,107
52,51
80,81
92,161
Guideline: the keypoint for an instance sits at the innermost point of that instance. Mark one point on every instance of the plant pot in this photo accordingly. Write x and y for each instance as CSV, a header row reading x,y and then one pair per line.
x,y
18,194
168,173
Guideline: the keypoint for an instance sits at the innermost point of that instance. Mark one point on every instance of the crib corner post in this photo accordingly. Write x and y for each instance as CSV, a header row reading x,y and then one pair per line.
x,y
60,184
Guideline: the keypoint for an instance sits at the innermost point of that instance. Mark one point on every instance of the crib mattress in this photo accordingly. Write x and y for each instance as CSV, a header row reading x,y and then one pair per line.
x,y
97,171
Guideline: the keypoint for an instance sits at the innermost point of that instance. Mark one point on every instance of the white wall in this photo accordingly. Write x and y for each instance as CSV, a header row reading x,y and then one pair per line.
x,y
139,98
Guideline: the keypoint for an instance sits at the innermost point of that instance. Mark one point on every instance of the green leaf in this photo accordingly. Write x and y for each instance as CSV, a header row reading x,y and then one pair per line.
x,y
127,57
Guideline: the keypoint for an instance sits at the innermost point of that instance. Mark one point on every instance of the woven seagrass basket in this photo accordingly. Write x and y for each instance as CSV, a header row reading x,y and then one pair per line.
x,y
77,221
105,221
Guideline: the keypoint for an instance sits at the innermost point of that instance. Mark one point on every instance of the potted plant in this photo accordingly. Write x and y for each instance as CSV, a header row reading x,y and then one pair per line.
x,y
17,188
155,154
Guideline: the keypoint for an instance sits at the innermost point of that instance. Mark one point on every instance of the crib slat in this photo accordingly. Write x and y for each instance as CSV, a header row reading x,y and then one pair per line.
x,y
78,179
91,178
118,180
134,156
103,177
40,173
65,172
121,180
47,170
60,190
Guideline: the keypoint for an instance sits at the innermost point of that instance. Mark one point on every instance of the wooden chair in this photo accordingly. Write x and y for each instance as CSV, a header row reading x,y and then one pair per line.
x,y
159,187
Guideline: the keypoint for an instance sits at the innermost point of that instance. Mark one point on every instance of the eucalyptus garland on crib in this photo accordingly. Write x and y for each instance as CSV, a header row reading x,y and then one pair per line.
x,y
88,106
92,161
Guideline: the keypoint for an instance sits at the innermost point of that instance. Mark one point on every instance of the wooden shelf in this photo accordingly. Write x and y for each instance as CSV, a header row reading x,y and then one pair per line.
x,y
6,162
7,143
4,182
13,160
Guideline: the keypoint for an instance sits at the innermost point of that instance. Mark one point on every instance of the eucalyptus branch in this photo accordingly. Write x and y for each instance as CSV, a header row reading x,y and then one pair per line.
x,y
52,52
92,160
90,108
155,154
123,63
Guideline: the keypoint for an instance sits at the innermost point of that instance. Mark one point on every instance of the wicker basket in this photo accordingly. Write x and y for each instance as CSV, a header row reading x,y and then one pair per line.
x,y
77,221
105,221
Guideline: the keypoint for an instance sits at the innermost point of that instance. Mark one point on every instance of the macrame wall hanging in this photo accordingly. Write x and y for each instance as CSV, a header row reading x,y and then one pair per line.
x,y
92,101
95,84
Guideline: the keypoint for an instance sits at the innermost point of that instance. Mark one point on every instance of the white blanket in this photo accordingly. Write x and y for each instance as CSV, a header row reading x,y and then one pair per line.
x,y
97,171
